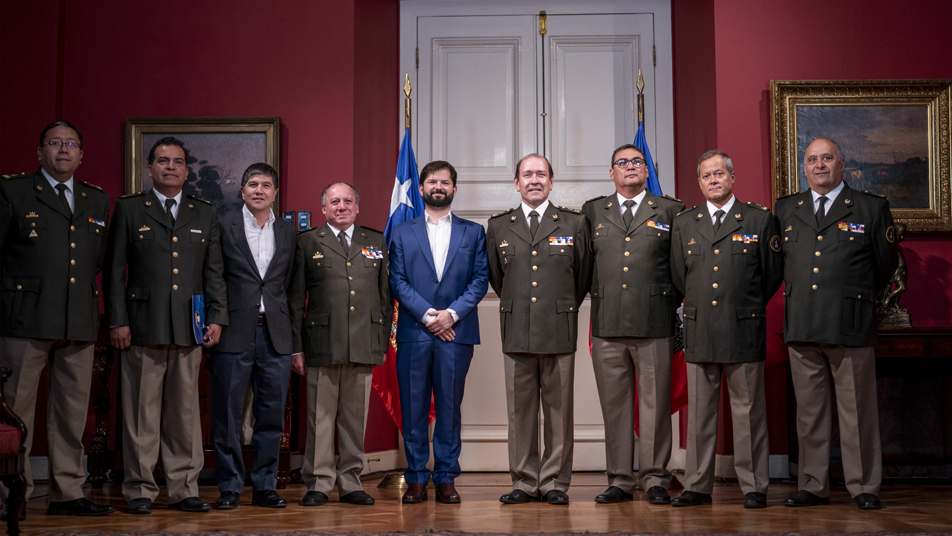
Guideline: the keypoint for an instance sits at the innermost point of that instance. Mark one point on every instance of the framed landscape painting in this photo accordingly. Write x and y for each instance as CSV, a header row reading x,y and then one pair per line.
x,y
894,135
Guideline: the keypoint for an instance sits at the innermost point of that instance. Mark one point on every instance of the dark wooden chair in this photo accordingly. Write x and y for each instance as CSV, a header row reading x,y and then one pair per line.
x,y
12,459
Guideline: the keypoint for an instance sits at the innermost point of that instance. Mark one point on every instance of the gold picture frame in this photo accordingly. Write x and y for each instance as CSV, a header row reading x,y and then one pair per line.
x,y
220,149
894,135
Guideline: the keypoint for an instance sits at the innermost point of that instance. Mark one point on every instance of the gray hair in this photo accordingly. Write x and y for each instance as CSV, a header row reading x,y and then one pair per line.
x,y
324,193
711,154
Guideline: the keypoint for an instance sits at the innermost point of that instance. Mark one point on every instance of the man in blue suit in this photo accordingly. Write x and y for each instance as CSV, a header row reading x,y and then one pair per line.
x,y
438,274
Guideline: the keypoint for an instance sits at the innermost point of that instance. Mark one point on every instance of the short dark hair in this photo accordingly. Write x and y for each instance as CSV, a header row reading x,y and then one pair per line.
x,y
435,166
624,147
168,140
260,169
328,187
60,123
519,164
711,154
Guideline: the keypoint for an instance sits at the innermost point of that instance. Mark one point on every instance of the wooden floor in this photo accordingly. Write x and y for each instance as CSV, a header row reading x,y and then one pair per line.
x,y
907,509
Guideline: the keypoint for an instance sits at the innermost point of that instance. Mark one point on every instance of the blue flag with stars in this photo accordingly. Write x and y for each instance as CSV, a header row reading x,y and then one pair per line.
x,y
406,202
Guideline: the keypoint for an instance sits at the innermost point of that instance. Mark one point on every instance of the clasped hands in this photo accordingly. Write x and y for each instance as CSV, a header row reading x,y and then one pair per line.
x,y
442,325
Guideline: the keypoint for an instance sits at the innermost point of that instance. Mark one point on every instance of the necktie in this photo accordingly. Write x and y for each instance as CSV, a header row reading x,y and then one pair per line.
x,y
629,213
62,197
169,203
821,212
718,214
343,243
533,223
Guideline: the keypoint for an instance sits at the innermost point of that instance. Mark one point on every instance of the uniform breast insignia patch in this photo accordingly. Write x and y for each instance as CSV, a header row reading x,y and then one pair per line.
x,y
561,240
851,227
318,255
33,234
658,225
891,234
371,252
504,244
145,228
775,243
32,215
97,222
692,242
789,228
746,238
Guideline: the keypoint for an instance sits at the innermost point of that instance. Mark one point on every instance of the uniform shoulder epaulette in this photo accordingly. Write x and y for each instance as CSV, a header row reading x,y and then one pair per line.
x,y
595,199
93,186
371,229
195,197
131,195
15,176
755,205
688,209
671,198
874,193
572,210
502,213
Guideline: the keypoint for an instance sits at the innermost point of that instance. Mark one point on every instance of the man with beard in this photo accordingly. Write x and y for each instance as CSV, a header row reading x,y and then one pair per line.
x,y
438,274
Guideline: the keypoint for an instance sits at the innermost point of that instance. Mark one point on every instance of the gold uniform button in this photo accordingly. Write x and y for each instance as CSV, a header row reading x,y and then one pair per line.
x,y
348,264
350,278
624,287
535,268
745,251
716,268
72,262
502,309
627,253
714,303
72,227
817,253
561,251
816,270
571,309
174,239
627,239
689,252
534,284
814,287
851,239
203,240
659,234
20,287
72,279
753,316
786,239
714,285
174,287
533,300
73,245
859,296
351,307
820,238
534,253
175,253
175,270
33,224
140,237
352,293
625,269
717,252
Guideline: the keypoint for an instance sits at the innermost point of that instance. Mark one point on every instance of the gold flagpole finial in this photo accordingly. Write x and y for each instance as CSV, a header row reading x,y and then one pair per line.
x,y
406,102
641,97
641,82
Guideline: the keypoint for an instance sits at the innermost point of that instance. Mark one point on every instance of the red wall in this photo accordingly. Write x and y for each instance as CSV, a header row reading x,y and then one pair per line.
x,y
328,69
753,42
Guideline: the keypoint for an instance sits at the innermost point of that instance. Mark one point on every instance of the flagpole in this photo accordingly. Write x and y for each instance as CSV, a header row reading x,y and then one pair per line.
x,y
406,101
641,97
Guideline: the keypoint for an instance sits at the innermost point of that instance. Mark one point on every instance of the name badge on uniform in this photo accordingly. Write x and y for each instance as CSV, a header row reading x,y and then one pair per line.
x,y
371,252
851,227
745,238
199,231
561,240
97,222
658,225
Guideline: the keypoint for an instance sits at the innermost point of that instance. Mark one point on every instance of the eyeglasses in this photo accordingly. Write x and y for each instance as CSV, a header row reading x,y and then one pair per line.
x,y
623,162
56,144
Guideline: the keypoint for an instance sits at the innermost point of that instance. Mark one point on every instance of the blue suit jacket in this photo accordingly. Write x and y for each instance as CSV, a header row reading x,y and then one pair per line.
x,y
414,284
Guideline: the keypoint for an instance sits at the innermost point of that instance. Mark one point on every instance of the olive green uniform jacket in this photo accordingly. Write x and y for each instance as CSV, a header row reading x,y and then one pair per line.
x,y
727,280
832,271
50,259
541,282
349,309
633,294
166,266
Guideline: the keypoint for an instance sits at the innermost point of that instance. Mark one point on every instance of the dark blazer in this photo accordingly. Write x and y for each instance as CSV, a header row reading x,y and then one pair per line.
x,y
727,280
50,259
632,291
414,284
166,266
245,285
349,309
832,271
540,282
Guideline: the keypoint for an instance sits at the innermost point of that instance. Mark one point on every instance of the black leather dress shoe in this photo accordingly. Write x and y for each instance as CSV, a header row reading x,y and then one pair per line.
x,y
228,500
805,498
3,512
78,507
613,495
692,498
557,497
314,498
191,504
867,501
517,496
658,495
268,498
756,500
140,506
357,497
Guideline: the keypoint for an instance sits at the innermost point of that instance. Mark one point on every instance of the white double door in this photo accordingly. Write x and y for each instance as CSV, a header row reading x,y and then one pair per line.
x,y
490,89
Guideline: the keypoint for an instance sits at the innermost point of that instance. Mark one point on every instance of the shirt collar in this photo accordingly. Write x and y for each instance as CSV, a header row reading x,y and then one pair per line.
x,y
637,199
54,182
447,218
349,231
162,198
711,209
830,197
526,209
251,220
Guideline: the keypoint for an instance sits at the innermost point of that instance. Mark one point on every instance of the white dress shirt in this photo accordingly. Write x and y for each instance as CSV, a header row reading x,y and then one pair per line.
x,y
349,233
175,207
69,188
830,197
526,209
439,232
637,199
260,241
711,209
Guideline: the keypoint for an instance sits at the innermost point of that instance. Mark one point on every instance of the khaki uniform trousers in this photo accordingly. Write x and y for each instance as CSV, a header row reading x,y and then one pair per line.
x,y
341,393
70,377
854,375
160,413
617,361
549,379
745,382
